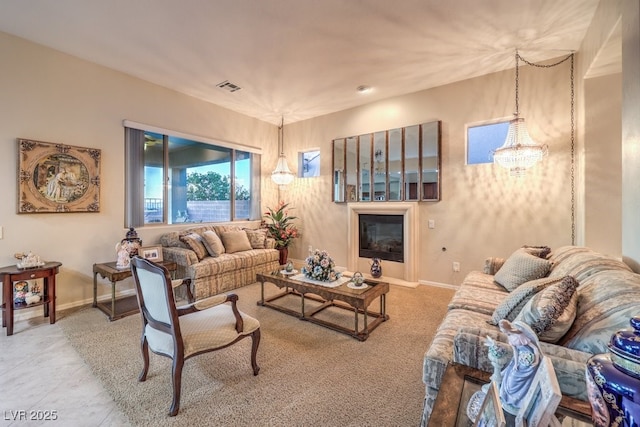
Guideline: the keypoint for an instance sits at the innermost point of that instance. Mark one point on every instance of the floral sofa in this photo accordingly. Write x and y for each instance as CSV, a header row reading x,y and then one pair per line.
x,y
219,258
573,297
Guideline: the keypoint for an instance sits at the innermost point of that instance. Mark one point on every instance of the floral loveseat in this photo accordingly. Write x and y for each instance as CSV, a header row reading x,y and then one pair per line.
x,y
574,298
219,258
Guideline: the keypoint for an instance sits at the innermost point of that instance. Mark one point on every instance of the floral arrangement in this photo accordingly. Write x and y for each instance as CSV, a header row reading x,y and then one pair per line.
x,y
320,266
279,224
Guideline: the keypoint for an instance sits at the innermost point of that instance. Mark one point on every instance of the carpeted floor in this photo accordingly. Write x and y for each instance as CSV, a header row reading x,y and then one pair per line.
x,y
309,375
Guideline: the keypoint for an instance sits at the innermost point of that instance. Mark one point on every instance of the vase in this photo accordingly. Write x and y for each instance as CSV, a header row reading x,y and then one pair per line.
x,y
613,380
284,254
376,268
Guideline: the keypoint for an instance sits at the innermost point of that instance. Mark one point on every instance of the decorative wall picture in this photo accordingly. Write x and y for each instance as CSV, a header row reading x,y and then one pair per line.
x,y
54,178
152,253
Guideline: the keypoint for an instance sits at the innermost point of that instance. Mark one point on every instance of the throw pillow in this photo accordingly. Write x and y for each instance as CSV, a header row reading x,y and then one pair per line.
x,y
213,243
194,241
511,306
551,312
521,267
539,251
257,237
235,241
492,265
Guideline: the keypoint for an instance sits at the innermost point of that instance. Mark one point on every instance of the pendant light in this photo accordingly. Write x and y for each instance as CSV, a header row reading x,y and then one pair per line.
x,y
281,175
519,152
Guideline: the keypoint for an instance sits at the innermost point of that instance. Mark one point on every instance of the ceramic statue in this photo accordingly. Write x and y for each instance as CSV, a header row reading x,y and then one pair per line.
x,y
518,375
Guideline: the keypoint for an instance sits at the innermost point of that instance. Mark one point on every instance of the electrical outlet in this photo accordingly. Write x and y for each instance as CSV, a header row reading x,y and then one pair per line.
x,y
456,266
431,223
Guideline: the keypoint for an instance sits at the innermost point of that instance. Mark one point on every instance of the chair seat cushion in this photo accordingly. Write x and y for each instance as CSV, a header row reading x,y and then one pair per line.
x,y
203,330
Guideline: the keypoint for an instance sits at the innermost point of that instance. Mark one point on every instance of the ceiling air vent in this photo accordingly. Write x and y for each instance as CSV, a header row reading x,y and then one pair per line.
x,y
227,85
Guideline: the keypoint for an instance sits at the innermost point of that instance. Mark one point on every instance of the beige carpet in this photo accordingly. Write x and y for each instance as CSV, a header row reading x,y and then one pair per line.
x,y
310,375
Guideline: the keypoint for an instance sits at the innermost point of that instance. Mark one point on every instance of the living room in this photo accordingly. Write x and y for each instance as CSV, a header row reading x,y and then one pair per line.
x,y
52,96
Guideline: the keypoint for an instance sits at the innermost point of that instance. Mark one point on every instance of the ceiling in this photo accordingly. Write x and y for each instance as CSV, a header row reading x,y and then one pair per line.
x,y
301,58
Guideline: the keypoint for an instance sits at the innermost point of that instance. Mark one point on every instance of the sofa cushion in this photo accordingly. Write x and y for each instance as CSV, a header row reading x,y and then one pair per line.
x,y
539,251
257,237
511,306
172,240
521,267
479,293
551,312
235,241
492,265
194,241
213,243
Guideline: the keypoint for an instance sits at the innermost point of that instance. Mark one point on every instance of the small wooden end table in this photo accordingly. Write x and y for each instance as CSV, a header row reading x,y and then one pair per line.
x,y
120,307
11,274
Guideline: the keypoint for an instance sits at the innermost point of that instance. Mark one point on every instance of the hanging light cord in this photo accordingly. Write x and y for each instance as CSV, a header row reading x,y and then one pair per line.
x,y
573,133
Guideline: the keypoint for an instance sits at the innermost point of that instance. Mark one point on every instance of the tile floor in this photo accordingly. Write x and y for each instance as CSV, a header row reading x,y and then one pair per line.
x,y
41,375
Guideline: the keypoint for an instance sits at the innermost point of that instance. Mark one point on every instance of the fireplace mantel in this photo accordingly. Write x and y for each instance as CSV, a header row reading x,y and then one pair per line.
x,y
401,273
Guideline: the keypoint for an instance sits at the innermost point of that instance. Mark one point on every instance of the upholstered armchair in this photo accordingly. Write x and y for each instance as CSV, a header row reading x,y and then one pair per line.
x,y
183,332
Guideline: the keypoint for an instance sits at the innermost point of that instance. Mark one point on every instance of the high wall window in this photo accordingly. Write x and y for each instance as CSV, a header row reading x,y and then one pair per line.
x,y
176,179
483,140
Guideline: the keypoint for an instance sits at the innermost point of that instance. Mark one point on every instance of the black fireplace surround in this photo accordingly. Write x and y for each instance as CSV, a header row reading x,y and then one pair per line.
x,y
381,236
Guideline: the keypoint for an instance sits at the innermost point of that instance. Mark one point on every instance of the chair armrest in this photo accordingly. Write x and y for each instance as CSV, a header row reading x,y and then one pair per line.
x,y
213,301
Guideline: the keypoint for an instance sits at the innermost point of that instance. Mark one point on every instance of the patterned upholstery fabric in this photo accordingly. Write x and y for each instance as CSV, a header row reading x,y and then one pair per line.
x,y
211,276
551,312
521,267
492,265
539,251
257,237
194,241
213,243
608,294
511,306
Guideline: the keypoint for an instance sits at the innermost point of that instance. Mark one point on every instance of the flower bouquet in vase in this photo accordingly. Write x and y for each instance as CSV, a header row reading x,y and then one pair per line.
x,y
320,266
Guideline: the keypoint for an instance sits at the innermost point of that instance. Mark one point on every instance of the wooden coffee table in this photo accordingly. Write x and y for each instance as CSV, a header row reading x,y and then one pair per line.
x,y
343,297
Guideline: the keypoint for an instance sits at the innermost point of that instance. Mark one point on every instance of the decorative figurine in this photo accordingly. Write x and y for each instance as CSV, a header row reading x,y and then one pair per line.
x,y
357,279
519,373
376,268
498,355
124,259
289,267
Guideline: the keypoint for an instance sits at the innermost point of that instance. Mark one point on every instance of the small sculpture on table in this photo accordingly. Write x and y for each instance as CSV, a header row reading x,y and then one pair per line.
x,y
498,355
521,370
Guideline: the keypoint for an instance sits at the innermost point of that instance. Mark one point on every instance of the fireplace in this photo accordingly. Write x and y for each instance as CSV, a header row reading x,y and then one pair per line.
x,y
381,236
404,272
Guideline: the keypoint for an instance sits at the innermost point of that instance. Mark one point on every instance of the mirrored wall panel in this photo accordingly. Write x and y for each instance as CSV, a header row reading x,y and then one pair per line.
x,y
400,164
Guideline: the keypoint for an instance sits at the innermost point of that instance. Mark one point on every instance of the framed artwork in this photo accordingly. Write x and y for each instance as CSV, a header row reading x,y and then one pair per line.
x,y
56,178
152,253
491,414
542,399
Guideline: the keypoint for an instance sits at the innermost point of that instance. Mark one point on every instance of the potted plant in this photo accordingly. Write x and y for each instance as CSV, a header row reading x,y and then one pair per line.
x,y
281,229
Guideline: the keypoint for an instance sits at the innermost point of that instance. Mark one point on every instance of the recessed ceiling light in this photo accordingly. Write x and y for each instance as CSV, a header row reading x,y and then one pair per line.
x,y
364,89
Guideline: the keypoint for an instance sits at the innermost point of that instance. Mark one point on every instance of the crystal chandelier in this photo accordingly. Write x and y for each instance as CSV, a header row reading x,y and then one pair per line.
x,y
281,175
519,152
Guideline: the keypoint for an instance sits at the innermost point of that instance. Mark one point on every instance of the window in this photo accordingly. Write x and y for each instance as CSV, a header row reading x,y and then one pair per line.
x,y
309,164
483,140
177,178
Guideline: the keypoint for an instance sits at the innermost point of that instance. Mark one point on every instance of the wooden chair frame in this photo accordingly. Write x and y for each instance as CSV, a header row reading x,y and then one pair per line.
x,y
173,327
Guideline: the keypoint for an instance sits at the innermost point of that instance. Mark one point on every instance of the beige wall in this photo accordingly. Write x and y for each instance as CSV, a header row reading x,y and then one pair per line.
x,y
50,96
603,168
483,211
53,97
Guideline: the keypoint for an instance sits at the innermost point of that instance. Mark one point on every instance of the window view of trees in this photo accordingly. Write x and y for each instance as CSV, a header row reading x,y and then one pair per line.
x,y
212,186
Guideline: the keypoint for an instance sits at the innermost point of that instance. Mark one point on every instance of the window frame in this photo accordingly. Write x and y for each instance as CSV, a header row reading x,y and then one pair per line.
x,y
468,126
135,179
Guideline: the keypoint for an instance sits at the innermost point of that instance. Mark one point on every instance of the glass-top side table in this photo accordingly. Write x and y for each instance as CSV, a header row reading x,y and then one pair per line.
x,y
460,382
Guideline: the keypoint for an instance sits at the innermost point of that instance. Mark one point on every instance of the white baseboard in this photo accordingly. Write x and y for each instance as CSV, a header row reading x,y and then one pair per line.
x,y
439,285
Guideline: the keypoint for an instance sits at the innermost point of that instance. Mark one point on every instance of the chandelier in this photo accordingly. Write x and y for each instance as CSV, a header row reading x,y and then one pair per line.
x,y
281,175
519,152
